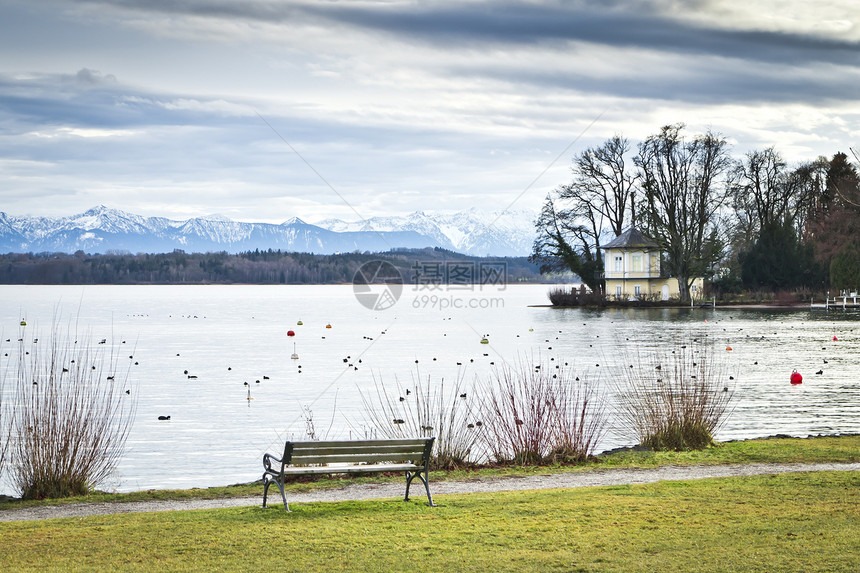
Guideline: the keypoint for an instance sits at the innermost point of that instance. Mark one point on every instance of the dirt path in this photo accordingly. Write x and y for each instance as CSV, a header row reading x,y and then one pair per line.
x,y
438,489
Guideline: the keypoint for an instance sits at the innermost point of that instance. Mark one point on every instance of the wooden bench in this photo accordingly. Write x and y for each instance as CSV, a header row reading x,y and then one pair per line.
x,y
411,456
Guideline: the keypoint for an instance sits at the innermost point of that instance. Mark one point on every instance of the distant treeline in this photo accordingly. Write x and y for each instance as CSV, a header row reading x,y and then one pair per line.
x,y
257,267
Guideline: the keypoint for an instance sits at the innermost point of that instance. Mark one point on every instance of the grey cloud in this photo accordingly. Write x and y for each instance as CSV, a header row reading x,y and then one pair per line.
x,y
90,77
46,102
706,84
638,25
525,23
91,99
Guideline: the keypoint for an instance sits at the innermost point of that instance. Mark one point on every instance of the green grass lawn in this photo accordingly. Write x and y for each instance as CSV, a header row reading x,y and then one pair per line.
x,y
791,522
766,450
771,450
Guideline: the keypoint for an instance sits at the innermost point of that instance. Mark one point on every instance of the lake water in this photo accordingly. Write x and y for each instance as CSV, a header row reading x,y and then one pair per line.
x,y
229,335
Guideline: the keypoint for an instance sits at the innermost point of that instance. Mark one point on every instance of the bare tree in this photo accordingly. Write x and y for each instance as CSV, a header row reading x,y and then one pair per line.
x,y
765,193
759,195
682,194
603,186
807,182
565,242
598,200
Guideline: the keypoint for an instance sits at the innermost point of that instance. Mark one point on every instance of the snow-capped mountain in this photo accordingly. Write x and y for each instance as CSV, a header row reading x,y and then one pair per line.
x,y
474,232
102,230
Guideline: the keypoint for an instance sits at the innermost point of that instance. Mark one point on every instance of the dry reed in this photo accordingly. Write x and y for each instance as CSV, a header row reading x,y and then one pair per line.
x,y
422,410
5,413
676,401
539,413
72,416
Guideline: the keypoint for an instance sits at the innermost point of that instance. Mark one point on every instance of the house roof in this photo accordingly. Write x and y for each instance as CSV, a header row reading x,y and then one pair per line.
x,y
631,238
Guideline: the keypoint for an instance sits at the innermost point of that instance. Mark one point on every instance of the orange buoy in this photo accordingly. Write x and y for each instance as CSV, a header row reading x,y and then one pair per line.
x,y
290,333
728,348
796,378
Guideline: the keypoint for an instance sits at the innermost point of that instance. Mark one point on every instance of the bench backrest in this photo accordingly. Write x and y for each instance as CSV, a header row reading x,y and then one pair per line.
x,y
417,451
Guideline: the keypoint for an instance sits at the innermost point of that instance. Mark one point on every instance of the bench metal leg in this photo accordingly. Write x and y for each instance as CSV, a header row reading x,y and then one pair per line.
x,y
266,483
411,476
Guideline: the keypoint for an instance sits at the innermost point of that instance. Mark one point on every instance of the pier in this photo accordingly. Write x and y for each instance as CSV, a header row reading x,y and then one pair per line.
x,y
843,302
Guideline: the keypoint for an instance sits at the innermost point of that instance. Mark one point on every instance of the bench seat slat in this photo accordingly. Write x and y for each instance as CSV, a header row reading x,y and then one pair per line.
x,y
351,469
353,458
380,450
357,443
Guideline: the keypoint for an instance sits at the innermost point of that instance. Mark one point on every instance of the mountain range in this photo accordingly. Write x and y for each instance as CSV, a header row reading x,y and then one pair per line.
x,y
102,230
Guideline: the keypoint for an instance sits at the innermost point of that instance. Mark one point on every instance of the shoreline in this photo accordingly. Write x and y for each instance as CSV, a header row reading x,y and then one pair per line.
x,y
363,492
732,306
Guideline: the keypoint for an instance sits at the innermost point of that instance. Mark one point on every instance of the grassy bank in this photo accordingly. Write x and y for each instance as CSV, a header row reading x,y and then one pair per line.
x,y
789,522
770,450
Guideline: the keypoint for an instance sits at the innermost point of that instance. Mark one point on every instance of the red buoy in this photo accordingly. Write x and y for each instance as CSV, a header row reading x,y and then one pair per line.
x,y
834,338
290,333
796,378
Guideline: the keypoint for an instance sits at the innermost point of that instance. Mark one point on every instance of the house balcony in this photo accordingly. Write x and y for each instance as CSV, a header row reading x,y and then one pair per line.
x,y
620,275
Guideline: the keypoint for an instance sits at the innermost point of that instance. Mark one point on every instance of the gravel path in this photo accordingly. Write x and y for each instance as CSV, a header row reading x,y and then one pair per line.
x,y
394,490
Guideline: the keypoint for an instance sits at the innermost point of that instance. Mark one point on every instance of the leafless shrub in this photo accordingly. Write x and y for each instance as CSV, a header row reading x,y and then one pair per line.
x,y
422,410
72,416
5,413
579,417
563,296
676,401
311,432
310,427
536,413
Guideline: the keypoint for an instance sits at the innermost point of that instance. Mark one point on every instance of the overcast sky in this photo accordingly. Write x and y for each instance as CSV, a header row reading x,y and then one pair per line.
x,y
262,110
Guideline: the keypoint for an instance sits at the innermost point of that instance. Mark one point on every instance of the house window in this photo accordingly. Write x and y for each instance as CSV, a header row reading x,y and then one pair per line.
x,y
618,291
637,291
693,289
619,264
636,262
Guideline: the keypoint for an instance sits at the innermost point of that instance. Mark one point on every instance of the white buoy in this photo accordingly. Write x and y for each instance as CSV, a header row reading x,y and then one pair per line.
x,y
294,356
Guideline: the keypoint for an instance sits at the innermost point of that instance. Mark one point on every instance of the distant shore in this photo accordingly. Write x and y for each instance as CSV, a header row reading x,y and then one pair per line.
x,y
727,306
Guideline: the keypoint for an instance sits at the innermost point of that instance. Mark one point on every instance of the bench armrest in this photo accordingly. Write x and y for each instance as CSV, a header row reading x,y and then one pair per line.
x,y
267,463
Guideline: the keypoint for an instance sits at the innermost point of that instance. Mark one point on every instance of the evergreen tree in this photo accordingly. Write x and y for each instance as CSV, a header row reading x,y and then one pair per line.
x,y
779,260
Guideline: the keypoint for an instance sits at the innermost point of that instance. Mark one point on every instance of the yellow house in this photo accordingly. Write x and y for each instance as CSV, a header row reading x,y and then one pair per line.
x,y
631,263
